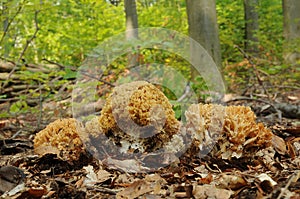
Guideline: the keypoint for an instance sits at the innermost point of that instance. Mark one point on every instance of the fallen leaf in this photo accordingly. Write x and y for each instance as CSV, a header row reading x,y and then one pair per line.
x,y
210,191
91,177
135,190
128,166
103,175
279,144
231,181
262,177
292,98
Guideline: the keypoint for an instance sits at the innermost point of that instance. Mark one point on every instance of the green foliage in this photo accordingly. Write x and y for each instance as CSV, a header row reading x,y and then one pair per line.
x,y
271,28
68,31
231,28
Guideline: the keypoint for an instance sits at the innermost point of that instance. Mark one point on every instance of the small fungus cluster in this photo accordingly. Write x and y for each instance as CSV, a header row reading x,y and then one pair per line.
x,y
60,137
229,131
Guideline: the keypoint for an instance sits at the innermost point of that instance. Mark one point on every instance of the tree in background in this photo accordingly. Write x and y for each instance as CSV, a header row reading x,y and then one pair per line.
x,y
131,28
291,22
251,26
203,28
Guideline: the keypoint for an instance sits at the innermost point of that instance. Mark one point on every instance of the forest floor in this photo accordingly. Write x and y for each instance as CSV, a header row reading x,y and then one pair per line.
x,y
274,175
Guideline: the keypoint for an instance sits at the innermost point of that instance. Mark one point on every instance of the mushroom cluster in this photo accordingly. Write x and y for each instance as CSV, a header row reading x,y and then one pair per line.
x,y
62,138
138,116
227,131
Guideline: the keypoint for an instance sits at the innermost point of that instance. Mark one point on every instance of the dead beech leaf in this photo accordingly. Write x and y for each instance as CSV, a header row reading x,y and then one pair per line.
x,y
279,144
37,192
156,182
264,177
103,175
128,166
292,98
135,190
210,191
206,180
42,150
291,149
231,181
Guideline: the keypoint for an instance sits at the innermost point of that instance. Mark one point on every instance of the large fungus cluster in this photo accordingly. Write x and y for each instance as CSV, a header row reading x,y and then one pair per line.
x,y
229,131
138,115
60,137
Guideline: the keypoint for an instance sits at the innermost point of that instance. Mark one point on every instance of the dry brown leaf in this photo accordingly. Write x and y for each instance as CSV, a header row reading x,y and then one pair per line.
x,y
292,98
129,166
210,191
135,190
42,150
103,175
231,181
265,177
156,182
279,144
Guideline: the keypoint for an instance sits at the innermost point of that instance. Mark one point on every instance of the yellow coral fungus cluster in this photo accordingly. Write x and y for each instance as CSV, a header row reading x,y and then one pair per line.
x,y
60,137
232,130
138,117
139,111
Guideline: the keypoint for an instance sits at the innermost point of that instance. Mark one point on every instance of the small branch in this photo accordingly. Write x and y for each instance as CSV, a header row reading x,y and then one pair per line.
x,y
24,49
260,82
293,178
99,79
52,62
82,72
187,91
259,100
10,22
103,190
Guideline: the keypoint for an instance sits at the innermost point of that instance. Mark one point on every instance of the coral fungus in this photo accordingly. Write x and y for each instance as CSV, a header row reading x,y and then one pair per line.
x,y
227,131
60,137
138,112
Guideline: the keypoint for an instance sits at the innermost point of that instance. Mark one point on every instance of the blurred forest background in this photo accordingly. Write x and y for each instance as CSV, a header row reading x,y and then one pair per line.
x,y
43,42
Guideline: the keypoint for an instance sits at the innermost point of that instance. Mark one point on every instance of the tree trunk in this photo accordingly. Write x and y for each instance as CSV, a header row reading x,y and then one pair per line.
x,y
291,15
203,28
251,26
131,29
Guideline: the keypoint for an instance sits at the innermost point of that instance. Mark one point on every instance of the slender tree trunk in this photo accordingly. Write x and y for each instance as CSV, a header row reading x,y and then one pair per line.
x,y
203,28
131,29
291,15
251,26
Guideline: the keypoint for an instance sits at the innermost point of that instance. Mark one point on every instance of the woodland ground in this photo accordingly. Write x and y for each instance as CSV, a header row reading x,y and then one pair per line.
x,y
274,176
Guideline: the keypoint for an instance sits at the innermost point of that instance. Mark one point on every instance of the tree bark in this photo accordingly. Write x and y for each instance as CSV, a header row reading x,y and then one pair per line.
x,y
291,16
131,29
251,26
203,28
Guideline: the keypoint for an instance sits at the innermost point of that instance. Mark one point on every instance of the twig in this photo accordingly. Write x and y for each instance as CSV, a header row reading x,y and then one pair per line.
x,y
10,22
82,72
103,190
260,82
24,49
40,106
187,91
293,178
258,100
99,79
52,62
